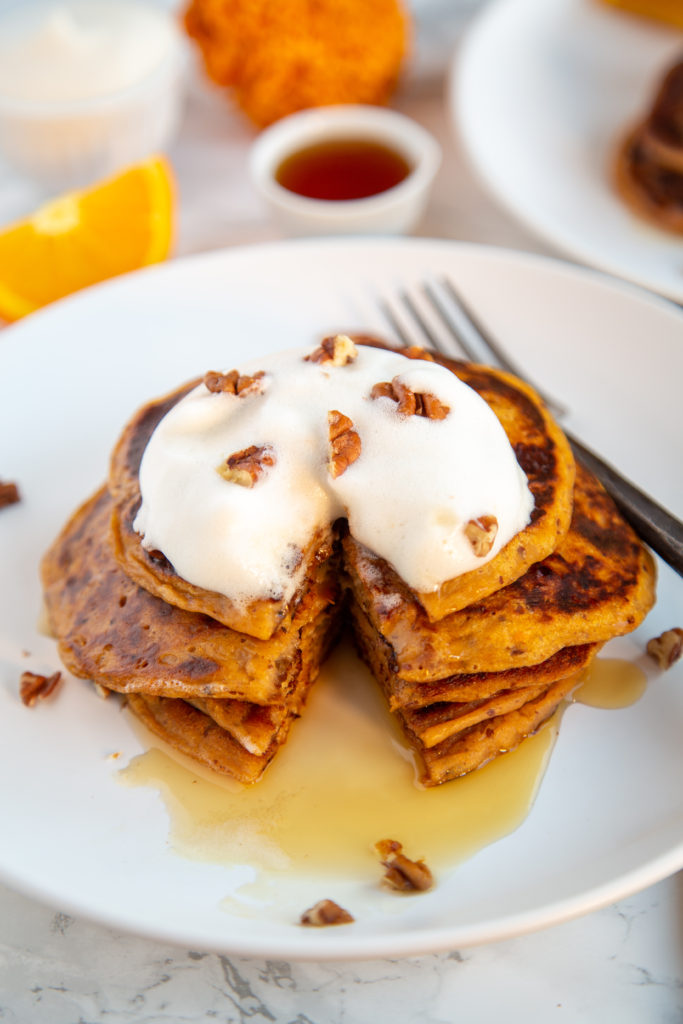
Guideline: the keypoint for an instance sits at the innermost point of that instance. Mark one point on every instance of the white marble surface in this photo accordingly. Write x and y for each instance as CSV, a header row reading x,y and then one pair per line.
x,y
623,963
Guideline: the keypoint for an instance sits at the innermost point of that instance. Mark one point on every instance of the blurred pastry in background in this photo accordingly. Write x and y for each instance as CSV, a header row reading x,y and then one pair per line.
x,y
649,165
663,10
280,58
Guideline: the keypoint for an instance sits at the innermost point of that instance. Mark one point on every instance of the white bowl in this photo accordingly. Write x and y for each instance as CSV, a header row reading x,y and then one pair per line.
x,y
394,211
65,143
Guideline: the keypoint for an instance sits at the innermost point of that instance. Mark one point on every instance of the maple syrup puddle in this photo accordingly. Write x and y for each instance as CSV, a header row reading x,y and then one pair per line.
x,y
345,779
610,683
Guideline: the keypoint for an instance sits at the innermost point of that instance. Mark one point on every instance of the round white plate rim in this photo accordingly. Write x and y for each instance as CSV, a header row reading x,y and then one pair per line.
x,y
466,64
434,939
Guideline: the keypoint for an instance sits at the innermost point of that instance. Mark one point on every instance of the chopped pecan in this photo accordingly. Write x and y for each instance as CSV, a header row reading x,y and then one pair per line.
x,y
667,648
411,403
338,350
9,494
246,467
403,874
233,383
345,443
34,687
481,533
324,913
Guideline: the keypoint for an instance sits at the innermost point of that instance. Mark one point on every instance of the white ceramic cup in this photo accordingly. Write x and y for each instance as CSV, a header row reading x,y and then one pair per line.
x,y
64,144
392,212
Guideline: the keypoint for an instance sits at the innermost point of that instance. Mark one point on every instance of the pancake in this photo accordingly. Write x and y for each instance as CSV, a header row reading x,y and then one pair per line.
x,y
151,570
649,165
476,746
469,669
123,638
459,723
199,737
541,450
406,694
598,584
544,454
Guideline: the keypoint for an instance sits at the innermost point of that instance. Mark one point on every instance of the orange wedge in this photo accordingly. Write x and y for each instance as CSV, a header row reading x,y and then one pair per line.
x,y
83,237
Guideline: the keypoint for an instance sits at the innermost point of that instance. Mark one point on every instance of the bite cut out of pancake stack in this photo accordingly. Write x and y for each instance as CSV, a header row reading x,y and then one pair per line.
x,y
470,668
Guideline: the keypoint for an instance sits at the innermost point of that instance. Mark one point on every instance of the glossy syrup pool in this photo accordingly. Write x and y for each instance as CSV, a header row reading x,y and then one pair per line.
x,y
610,683
345,779
342,169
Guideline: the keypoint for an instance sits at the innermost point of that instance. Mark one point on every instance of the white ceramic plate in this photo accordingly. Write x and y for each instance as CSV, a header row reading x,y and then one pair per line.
x,y
608,819
541,92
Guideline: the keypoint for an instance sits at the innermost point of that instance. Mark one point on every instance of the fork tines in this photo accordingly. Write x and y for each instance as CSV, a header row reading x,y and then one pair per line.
x,y
435,315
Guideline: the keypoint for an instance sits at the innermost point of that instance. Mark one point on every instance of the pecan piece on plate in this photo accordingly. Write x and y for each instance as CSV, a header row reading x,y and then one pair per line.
x,y
667,648
345,446
402,874
34,687
9,494
325,913
481,533
247,467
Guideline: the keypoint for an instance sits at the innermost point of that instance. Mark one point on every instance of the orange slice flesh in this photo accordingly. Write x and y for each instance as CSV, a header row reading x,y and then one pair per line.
x,y
80,238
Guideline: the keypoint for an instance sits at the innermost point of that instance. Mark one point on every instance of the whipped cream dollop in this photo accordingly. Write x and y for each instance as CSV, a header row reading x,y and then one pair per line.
x,y
59,51
412,487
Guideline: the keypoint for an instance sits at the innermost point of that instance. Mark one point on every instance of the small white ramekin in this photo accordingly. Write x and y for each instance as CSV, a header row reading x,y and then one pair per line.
x,y
393,212
67,144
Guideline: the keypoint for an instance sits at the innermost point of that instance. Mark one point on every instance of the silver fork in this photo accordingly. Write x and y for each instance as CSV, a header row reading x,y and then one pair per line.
x,y
461,333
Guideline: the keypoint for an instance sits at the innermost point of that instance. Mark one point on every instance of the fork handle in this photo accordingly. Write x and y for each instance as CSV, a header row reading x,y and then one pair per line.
x,y
653,524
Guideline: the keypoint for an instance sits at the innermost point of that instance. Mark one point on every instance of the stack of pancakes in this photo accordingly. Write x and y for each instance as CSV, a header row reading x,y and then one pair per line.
x,y
223,695
649,170
470,669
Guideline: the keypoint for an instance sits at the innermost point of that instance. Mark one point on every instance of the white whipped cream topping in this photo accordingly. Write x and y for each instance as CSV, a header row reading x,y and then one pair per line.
x,y
69,50
408,496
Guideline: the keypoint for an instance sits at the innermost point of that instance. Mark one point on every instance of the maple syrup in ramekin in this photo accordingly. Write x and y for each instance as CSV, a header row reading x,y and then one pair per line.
x,y
342,169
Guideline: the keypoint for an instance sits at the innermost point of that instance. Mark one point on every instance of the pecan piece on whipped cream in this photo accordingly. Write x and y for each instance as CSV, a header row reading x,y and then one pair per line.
x,y
411,403
325,913
345,443
9,494
34,687
233,383
481,533
402,874
338,350
667,648
246,467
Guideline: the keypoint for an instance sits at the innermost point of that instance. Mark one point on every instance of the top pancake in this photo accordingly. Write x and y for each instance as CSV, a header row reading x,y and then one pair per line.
x,y
539,445
544,454
151,570
598,584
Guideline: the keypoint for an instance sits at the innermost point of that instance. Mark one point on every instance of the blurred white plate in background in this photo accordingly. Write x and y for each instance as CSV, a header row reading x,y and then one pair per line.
x,y
541,91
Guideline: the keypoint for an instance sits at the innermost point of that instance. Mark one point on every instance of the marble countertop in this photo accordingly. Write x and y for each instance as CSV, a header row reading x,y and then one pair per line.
x,y
621,963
